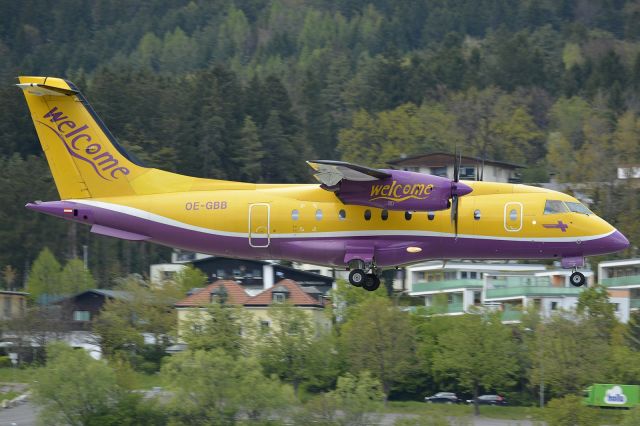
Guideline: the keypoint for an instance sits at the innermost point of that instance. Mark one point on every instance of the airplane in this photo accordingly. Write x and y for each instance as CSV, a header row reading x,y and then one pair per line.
x,y
357,218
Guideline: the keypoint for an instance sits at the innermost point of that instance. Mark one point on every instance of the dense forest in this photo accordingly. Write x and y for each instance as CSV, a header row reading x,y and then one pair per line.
x,y
249,90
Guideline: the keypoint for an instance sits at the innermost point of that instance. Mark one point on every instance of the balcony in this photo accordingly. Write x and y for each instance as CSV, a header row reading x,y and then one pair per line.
x,y
436,286
634,303
451,308
511,315
531,291
630,280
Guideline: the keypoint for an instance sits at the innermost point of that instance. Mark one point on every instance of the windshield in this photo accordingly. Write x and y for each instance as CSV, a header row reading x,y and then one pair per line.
x,y
578,208
555,206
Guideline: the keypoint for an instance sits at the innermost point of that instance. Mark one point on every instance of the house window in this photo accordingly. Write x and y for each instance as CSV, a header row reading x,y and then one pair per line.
x,y
7,307
439,171
554,306
264,326
477,297
81,316
616,307
463,275
473,275
279,297
221,274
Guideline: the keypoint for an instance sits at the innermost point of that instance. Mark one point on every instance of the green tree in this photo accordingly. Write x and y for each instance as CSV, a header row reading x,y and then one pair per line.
x,y
44,277
75,278
593,303
189,278
211,387
478,351
284,349
378,338
248,153
76,389
223,326
569,355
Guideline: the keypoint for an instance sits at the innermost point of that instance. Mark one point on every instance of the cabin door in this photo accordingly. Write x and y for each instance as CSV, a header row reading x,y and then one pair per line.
x,y
259,224
513,212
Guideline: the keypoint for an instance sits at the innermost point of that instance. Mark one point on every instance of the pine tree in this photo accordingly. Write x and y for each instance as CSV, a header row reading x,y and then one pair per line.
x,y
248,153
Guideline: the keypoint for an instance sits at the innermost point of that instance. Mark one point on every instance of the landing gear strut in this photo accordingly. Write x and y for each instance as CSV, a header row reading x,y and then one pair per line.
x,y
577,279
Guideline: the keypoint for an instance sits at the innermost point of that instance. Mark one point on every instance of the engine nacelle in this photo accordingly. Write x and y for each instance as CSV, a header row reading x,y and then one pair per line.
x,y
409,191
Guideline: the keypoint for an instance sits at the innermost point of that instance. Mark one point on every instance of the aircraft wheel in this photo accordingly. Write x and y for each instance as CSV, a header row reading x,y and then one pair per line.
x,y
371,283
577,279
357,277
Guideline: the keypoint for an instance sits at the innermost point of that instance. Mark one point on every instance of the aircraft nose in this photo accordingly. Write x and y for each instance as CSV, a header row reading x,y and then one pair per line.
x,y
617,241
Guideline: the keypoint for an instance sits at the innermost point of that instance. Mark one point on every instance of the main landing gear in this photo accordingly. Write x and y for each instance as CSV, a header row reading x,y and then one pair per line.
x,y
577,279
359,278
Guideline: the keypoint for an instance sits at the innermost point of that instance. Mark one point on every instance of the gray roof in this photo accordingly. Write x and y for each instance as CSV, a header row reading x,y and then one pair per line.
x,y
113,294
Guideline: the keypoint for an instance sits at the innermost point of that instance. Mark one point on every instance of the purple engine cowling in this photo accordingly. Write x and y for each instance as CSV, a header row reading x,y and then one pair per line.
x,y
403,190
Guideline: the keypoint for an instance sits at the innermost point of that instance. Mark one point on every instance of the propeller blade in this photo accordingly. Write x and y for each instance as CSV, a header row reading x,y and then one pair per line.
x,y
454,213
456,166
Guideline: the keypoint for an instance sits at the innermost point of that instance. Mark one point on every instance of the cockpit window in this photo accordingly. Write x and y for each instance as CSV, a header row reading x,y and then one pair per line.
x,y
555,206
578,208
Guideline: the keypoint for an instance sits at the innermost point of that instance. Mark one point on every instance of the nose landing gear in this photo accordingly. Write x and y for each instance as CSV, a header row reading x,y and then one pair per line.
x,y
577,279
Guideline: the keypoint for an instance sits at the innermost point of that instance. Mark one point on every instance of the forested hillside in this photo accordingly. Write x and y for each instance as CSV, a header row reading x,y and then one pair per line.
x,y
248,90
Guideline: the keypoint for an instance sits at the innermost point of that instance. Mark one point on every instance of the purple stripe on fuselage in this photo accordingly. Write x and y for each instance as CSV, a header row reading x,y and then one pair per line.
x,y
389,250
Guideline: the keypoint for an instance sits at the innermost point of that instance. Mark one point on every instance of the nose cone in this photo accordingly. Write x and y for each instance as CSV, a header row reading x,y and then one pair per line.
x,y
462,189
617,241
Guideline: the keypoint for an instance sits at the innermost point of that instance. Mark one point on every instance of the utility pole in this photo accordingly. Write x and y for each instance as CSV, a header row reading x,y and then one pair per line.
x,y
85,255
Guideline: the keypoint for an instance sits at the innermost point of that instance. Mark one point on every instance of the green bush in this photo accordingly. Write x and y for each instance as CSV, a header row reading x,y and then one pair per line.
x,y
5,361
570,411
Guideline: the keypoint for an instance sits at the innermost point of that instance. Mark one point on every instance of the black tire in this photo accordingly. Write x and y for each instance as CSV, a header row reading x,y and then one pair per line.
x,y
577,279
357,277
371,283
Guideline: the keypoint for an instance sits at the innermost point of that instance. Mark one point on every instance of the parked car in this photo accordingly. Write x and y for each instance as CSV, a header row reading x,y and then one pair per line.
x,y
489,400
442,398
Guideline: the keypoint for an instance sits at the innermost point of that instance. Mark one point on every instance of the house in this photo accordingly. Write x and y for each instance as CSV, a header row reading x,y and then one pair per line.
x,y
309,299
79,310
12,304
253,275
622,280
546,291
442,164
452,288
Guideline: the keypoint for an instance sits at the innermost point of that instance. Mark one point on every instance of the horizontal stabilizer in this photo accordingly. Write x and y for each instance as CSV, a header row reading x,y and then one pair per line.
x,y
118,233
330,173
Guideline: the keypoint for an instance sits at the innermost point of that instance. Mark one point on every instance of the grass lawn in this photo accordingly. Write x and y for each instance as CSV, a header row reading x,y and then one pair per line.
x,y
604,416
19,375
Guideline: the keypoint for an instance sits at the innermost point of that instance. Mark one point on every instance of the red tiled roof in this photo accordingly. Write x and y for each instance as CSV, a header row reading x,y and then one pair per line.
x,y
296,295
235,292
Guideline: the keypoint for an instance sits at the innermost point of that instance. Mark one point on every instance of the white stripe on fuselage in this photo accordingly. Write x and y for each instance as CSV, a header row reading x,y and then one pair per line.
x,y
143,214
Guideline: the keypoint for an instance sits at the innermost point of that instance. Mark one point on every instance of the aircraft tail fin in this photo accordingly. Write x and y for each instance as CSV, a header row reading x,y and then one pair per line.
x,y
85,159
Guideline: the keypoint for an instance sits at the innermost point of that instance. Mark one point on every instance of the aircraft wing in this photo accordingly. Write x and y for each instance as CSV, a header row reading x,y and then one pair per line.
x,y
330,173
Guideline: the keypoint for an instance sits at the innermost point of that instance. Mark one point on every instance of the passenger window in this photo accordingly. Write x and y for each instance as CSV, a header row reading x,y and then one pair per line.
x,y
295,214
367,214
384,214
318,214
407,215
554,206
578,208
431,215
342,215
